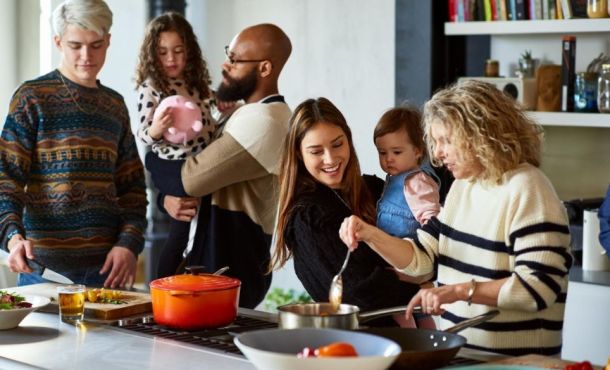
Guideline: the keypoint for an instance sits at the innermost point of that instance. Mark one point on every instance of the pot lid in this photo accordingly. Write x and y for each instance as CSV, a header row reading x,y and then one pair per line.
x,y
195,283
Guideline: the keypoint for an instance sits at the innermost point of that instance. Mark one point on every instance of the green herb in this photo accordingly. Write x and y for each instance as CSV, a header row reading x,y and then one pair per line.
x,y
279,297
9,300
113,301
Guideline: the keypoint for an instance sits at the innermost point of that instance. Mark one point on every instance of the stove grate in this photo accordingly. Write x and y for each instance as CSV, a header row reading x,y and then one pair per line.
x,y
216,339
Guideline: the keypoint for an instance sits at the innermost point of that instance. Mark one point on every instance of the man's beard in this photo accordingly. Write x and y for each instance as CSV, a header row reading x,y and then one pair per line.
x,y
234,90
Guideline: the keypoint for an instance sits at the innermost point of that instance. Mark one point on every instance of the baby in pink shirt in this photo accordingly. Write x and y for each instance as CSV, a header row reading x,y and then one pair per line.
x,y
411,193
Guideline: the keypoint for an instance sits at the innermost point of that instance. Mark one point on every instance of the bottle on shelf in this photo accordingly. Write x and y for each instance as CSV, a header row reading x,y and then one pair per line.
x,y
585,92
603,89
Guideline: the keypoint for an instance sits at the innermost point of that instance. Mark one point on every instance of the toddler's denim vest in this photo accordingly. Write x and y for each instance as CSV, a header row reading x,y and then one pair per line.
x,y
393,213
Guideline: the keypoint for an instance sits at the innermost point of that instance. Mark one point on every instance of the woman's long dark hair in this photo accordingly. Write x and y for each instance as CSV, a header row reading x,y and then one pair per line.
x,y
294,179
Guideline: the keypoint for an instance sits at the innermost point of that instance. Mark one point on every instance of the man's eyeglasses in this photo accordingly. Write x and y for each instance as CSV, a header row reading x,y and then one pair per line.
x,y
233,61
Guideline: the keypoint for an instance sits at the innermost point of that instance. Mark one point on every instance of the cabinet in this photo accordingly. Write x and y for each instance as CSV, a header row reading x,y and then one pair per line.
x,y
510,38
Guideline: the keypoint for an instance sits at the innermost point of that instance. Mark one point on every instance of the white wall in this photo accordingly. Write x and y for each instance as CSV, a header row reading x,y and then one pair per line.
x,y
342,50
8,45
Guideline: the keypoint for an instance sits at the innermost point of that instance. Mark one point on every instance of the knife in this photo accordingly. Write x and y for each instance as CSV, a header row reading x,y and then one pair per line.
x,y
46,273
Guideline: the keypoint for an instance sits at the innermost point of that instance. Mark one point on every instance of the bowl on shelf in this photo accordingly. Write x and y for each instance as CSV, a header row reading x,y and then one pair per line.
x,y
277,349
11,318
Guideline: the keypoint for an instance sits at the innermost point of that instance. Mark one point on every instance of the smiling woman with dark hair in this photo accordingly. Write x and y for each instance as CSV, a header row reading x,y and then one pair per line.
x,y
320,185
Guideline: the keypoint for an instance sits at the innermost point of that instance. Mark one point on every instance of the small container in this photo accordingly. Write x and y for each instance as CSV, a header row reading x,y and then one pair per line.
x,y
492,68
585,92
603,89
597,8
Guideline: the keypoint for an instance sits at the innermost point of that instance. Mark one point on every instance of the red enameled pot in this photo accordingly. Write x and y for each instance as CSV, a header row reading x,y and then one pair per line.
x,y
193,302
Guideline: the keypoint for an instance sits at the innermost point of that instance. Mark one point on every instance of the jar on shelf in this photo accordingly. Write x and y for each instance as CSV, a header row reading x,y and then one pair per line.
x,y
597,8
492,68
585,92
603,89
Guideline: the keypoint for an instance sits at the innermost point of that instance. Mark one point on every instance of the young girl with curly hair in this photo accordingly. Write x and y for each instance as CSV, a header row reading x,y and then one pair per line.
x,y
171,63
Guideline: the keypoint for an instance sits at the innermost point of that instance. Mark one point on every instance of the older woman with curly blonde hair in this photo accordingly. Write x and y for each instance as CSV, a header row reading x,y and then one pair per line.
x,y
501,240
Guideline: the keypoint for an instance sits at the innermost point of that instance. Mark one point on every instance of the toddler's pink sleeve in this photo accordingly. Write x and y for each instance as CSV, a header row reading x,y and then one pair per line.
x,y
421,193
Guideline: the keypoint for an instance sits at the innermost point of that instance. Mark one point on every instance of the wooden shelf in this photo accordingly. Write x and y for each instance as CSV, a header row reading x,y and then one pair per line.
x,y
566,26
571,119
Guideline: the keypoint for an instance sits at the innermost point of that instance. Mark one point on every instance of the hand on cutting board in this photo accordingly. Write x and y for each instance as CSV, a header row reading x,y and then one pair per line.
x,y
121,263
20,249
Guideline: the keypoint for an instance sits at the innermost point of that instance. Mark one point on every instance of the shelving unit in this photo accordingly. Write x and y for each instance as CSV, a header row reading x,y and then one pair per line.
x,y
528,27
571,119
543,37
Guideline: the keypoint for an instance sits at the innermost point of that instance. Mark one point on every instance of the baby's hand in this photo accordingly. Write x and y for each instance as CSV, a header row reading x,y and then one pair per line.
x,y
160,124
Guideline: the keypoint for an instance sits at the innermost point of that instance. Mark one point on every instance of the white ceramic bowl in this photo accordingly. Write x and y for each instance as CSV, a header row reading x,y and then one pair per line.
x,y
276,349
10,319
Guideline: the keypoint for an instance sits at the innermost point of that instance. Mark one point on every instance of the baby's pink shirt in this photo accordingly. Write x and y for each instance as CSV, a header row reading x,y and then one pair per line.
x,y
422,195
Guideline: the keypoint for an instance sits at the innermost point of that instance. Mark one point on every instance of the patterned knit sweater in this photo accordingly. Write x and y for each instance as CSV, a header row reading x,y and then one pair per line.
x,y
516,230
71,182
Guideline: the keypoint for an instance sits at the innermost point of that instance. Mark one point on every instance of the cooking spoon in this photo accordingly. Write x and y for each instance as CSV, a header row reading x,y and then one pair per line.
x,y
335,294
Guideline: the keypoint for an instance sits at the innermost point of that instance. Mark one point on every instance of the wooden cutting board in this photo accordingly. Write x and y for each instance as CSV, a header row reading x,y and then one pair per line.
x,y
136,302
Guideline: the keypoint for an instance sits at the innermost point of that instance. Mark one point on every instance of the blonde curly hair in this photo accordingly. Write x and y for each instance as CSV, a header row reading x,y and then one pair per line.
x,y
485,124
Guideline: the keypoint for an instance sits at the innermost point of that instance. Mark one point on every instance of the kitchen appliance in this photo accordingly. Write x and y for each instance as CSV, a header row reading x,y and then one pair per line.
x,y
219,340
523,90
594,256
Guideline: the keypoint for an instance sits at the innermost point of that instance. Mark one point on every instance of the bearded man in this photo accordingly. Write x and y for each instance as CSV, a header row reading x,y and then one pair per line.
x,y
236,174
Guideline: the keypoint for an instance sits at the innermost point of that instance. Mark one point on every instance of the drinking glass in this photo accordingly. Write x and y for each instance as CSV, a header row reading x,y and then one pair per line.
x,y
71,303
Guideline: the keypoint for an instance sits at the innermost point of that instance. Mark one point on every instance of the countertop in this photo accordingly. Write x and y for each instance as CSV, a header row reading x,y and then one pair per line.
x,y
43,342
578,275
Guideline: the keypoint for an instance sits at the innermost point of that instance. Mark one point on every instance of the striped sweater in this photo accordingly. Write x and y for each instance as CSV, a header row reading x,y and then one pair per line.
x,y
516,230
71,182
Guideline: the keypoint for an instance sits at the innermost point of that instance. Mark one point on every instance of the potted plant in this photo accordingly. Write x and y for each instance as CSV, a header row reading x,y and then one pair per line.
x,y
527,65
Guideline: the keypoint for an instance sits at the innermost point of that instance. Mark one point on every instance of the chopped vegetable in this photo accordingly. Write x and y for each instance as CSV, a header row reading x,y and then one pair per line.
x,y
337,349
101,295
10,301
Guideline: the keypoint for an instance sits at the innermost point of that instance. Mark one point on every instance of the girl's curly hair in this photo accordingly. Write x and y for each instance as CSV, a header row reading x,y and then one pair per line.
x,y
485,124
196,74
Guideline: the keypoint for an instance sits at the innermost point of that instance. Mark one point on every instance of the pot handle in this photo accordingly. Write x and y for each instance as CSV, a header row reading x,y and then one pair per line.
x,y
371,315
473,321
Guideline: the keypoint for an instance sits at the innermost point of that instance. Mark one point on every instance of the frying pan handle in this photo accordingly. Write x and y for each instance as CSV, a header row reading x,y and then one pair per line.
x,y
473,321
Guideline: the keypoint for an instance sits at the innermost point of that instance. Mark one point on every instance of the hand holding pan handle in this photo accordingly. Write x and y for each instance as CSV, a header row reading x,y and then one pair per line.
x,y
473,321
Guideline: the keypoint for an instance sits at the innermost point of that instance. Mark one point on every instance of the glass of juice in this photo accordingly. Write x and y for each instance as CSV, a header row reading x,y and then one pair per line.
x,y
71,303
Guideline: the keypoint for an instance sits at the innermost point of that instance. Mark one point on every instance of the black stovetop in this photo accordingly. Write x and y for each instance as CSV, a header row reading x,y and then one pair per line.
x,y
217,340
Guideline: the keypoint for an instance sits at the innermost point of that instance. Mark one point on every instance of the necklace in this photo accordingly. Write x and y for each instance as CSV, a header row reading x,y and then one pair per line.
x,y
61,77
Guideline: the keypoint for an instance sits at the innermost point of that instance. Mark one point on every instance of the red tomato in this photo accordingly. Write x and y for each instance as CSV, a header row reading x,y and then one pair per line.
x,y
585,365
336,349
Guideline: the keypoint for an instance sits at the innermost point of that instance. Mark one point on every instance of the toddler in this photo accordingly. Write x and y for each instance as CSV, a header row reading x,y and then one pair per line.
x,y
411,193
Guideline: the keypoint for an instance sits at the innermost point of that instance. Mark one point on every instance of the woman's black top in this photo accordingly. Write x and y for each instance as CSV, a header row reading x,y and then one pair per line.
x,y
312,233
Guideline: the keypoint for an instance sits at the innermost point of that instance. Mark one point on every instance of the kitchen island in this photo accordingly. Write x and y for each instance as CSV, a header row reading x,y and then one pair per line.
x,y
43,342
